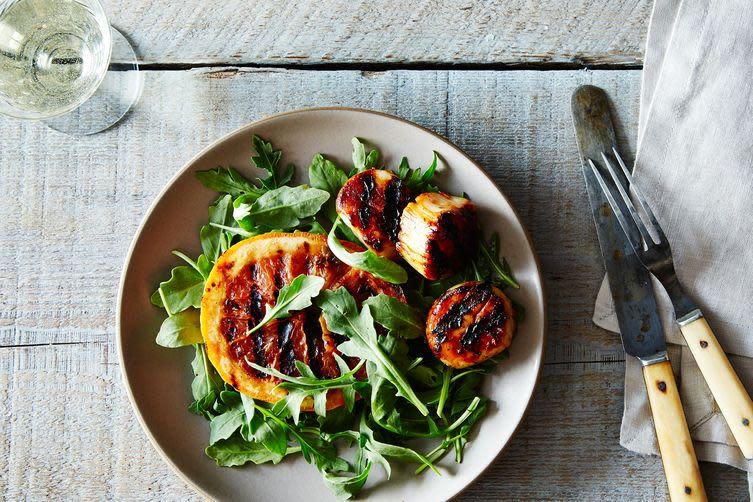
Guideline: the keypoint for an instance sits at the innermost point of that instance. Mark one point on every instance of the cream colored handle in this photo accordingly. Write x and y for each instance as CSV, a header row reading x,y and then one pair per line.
x,y
677,453
733,400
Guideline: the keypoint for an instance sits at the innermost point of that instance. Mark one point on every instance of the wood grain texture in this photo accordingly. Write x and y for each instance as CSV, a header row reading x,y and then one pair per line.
x,y
590,32
69,431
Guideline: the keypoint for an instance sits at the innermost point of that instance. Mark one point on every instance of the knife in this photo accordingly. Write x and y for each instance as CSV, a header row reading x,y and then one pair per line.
x,y
634,302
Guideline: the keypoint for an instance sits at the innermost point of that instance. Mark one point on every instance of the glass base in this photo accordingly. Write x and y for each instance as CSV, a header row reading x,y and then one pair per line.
x,y
115,96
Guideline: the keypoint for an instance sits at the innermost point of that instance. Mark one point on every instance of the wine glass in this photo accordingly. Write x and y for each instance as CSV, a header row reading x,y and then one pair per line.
x,y
62,62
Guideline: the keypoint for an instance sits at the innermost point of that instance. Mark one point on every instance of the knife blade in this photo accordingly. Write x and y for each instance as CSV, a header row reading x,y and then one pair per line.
x,y
629,282
634,303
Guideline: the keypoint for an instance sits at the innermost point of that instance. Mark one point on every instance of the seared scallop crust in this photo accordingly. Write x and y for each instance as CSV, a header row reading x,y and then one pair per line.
x,y
371,203
470,323
244,282
439,234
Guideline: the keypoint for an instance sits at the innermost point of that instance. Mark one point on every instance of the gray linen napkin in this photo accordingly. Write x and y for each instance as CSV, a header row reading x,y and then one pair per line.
x,y
695,165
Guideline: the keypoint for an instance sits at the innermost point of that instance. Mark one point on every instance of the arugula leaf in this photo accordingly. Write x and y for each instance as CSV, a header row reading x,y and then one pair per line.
x,y
249,407
359,154
236,451
325,175
312,226
295,296
336,420
345,487
201,265
270,434
206,385
268,158
444,392
184,289
399,318
383,268
491,255
223,426
416,180
463,425
362,161
425,375
180,329
308,385
378,452
227,181
281,208
342,317
313,448
213,239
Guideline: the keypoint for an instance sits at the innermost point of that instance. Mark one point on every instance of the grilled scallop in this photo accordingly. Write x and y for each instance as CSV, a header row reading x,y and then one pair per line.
x,y
470,323
438,234
370,203
245,281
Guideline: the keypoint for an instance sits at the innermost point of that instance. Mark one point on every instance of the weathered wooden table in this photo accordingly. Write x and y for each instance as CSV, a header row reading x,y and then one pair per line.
x,y
495,77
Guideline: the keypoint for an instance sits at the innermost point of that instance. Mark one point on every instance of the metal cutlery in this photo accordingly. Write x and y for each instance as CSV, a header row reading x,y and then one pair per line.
x,y
652,248
634,303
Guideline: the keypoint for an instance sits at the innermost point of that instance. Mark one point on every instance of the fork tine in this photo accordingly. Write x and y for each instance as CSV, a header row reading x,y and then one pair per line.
x,y
626,199
641,199
616,208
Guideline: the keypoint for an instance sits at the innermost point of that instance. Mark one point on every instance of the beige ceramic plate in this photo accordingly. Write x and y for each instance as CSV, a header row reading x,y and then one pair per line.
x,y
158,379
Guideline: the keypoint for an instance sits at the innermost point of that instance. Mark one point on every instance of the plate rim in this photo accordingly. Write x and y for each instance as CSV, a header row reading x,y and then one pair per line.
x,y
253,124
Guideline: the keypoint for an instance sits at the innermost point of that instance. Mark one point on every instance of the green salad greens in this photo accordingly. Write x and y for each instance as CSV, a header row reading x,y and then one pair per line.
x,y
407,393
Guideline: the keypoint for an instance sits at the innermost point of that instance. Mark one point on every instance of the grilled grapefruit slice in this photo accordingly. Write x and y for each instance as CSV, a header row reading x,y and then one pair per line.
x,y
245,282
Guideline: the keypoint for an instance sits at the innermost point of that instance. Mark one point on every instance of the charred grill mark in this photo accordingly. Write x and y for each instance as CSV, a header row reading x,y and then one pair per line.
x,y
297,265
395,200
278,273
307,264
285,346
260,355
256,311
436,260
448,232
313,333
453,318
367,188
228,328
254,306
487,325
231,305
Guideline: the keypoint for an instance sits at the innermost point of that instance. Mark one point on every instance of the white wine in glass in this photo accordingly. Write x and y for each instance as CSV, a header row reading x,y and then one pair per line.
x,y
54,58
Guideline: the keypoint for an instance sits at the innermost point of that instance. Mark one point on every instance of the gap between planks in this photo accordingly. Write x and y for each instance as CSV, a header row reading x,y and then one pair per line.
x,y
386,66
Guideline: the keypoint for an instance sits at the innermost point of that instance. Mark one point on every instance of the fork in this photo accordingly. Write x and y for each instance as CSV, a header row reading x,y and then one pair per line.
x,y
652,249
